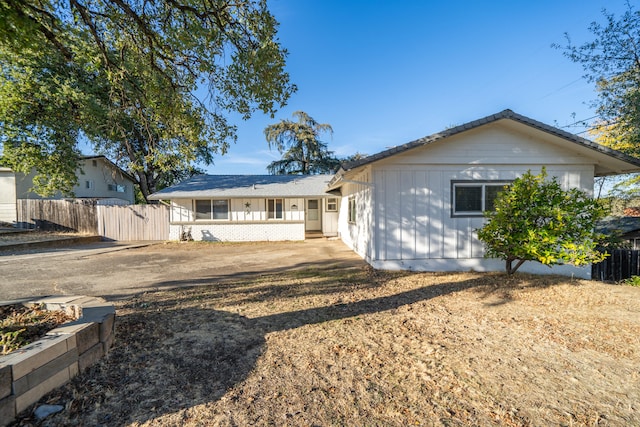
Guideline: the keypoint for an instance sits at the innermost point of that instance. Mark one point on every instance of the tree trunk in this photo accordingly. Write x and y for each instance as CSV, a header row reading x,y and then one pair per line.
x,y
146,187
509,265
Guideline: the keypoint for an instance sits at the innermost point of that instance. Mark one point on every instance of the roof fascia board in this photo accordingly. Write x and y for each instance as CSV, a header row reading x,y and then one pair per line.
x,y
506,114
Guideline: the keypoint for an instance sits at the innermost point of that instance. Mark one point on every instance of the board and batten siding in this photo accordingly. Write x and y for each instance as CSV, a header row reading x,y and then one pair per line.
x,y
358,235
412,226
414,219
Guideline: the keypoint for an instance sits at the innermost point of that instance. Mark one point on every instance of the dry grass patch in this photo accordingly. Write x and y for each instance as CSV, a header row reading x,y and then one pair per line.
x,y
23,324
358,347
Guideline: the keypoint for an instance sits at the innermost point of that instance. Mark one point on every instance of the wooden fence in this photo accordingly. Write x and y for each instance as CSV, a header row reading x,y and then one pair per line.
x,y
128,222
57,215
133,222
621,264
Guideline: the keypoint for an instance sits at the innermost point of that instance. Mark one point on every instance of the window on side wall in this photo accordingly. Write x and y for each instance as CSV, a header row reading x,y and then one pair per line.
x,y
274,208
352,209
212,209
473,198
117,188
332,204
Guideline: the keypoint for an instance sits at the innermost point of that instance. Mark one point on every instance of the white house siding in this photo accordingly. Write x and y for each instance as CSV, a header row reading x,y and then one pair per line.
x,y
330,219
247,222
93,182
359,235
413,225
8,211
100,175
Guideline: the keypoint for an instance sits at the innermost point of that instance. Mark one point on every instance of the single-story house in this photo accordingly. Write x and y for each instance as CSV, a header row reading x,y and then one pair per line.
x,y
416,206
251,207
98,178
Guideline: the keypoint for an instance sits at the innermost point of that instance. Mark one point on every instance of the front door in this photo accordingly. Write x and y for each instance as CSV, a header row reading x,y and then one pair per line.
x,y
312,216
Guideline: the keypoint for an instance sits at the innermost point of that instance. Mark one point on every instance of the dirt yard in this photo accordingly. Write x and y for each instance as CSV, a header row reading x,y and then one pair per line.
x,y
331,346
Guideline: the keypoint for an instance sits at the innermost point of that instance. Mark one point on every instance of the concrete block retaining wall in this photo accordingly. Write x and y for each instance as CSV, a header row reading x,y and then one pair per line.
x,y
31,372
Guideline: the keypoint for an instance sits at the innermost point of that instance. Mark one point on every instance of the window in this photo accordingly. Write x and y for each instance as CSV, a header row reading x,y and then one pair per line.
x,y
220,209
472,198
352,209
88,184
312,209
212,209
274,208
117,188
332,204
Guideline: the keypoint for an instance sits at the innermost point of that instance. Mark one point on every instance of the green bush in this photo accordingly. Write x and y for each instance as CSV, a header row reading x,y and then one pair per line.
x,y
536,220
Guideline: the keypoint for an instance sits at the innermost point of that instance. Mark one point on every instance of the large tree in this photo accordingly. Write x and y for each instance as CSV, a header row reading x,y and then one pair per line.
x,y
612,61
534,219
303,153
147,83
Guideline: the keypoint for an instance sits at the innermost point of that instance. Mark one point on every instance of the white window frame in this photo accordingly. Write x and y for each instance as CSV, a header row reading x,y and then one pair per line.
x,y
352,213
455,212
332,204
272,212
212,211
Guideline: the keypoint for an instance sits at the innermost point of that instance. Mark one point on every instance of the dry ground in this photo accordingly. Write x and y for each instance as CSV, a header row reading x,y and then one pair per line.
x,y
325,347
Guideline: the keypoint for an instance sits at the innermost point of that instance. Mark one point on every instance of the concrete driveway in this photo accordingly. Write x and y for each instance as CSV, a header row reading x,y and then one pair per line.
x,y
117,270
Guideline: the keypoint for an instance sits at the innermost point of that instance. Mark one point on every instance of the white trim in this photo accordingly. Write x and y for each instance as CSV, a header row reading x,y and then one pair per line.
x,y
479,265
483,184
275,208
211,210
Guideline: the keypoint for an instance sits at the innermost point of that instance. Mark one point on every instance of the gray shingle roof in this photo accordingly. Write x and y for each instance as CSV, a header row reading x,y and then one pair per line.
x,y
623,225
505,114
246,186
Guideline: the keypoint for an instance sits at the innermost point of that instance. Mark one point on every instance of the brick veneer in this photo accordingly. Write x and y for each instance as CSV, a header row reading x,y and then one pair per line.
x,y
31,372
248,231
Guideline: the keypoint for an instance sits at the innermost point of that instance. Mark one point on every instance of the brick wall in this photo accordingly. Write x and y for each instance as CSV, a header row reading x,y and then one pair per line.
x,y
241,232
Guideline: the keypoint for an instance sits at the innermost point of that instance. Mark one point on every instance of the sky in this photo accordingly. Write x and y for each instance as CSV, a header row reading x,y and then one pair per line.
x,y
383,73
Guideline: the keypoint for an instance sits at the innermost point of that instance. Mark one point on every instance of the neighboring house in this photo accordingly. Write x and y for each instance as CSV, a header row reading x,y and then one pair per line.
x,y
98,178
251,207
624,228
416,206
7,196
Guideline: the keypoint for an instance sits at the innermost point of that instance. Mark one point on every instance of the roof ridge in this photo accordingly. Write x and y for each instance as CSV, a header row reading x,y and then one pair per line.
x,y
504,114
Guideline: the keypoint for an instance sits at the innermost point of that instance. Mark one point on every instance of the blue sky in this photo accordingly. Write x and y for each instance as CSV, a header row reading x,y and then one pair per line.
x,y
384,73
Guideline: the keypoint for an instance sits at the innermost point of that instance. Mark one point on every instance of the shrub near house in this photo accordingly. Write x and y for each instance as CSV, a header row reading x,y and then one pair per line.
x,y
535,220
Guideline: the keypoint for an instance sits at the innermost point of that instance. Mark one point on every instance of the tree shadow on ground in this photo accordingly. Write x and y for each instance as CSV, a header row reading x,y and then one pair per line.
x,y
175,353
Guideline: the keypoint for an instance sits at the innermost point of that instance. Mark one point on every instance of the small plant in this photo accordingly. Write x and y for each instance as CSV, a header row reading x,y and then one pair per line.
x,y
21,325
11,340
632,281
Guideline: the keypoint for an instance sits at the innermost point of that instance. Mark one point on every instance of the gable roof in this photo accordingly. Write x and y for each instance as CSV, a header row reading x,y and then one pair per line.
x,y
632,164
247,186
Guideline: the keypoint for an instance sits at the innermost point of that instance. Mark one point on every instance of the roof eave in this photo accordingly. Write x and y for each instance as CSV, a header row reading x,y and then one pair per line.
x,y
505,114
